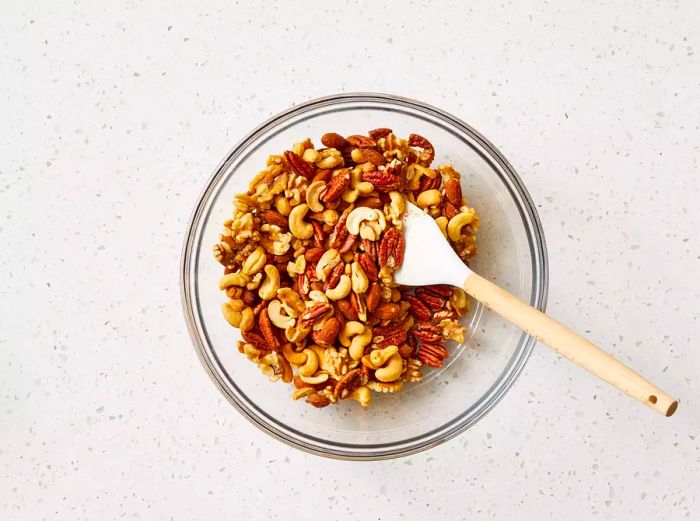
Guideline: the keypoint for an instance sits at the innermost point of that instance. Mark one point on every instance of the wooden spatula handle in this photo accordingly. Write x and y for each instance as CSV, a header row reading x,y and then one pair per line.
x,y
569,344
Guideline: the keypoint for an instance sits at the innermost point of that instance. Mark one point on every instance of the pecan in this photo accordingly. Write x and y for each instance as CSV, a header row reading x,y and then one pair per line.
x,y
318,400
255,338
319,234
282,258
430,300
333,140
310,271
432,354
391,249
268,330
336,186
379,133
449,209
389,335
453,192
299,166
314,254
257,309
248,297
286,369
370,248
346,309
348,245
273,217
301,285
439,290
334,276
368,266
317,285
406,351
314,313
369,201
443,314
387,311
357,303
416,140
427,332
323,175
374,294
383,181
328,333
361,141
418,308
347,383
428,183
340,232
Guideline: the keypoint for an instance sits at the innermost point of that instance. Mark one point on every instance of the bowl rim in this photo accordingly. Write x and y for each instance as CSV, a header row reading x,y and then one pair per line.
x,y
490,398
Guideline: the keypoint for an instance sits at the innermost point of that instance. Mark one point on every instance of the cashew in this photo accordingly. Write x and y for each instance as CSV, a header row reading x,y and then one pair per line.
x,y
268,289
442,224
252,352
296,333
301,146
311,156
370,230
379,357
304,391
310,365
355,336
314,380
329,217
313,192
413,174
395,209
391,371
255,281
329,260
274,311
233,279
298,267
282,205
317,296
291,301
360,282
362,395
270,366
292,356
330,158
454,227
300,228
429,198
350,195
255,261
247,319
231,315
342,290
363,213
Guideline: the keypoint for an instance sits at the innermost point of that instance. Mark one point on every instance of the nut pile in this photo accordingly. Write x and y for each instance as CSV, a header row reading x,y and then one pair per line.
x,y
309,258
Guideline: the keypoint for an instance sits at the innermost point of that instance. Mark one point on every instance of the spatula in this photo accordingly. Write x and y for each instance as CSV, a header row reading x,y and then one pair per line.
x,y
429,259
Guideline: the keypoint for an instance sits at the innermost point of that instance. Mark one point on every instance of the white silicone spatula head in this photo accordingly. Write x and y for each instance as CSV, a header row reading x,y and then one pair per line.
x,y
428,257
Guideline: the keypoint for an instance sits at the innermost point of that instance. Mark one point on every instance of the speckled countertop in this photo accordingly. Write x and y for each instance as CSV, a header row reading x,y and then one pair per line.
x,y
115,114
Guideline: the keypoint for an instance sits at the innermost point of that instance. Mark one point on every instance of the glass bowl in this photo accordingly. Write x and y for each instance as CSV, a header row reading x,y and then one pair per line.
x,y
447,401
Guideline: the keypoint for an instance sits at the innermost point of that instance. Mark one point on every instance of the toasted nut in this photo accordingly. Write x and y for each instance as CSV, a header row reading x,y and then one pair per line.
x,y
391,371
282,205
314,380
355,336
330,158
300,228
385,387
310,155
255,261
396,207
362,395
379,357
329,217
442,224
247,319
364,214
254,282
277,315
298,267
342,290
296,333
268,289
329,260
318,400
313,192
303,392
292,356
233,279
318,296
360,282
429,198
387,311
232,316
251,352
291,301
310,365
454,227
270,366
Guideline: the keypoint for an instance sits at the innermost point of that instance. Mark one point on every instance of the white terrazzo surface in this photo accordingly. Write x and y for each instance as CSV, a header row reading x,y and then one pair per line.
x,y
113,116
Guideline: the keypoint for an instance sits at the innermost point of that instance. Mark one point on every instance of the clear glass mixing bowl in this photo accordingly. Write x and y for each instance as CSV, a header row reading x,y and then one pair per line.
x,y
447,401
